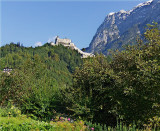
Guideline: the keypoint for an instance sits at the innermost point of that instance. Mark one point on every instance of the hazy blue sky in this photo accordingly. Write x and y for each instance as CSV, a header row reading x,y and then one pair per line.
x,y
34,22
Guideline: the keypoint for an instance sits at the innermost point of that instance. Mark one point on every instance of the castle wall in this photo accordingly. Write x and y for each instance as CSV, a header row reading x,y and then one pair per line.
x,y
68,43
63,41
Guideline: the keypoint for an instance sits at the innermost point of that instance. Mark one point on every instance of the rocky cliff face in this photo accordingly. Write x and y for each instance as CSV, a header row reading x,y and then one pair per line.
x,y
123,27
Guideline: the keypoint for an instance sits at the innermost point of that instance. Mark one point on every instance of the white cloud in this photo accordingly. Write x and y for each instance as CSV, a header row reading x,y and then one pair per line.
x,y
51,39
38,44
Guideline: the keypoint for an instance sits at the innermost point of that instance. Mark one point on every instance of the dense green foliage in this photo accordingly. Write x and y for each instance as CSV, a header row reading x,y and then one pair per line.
x,y
93,85
138,74
126,88
12,120
38,76
123,88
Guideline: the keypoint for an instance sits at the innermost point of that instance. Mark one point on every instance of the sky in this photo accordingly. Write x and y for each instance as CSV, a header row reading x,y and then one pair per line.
x,y
36,22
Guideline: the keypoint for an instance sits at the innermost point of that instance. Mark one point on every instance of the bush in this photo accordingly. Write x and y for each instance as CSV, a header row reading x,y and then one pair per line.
x,y
25,124
10,112
153,123
12,119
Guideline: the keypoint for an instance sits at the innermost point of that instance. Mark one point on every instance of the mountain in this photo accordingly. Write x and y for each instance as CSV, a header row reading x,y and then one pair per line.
x,y
123,27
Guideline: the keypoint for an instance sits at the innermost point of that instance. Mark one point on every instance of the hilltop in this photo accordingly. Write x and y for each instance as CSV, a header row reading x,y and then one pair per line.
x,y
68,43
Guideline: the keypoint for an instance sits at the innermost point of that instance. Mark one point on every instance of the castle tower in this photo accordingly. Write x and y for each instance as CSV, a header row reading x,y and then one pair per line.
x,y
56,40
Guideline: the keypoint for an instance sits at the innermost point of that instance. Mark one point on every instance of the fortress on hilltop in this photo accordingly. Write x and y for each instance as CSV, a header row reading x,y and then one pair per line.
x,y
63,41
68,43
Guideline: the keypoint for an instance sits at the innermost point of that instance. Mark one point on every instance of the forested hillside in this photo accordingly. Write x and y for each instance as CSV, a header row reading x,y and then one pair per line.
x,y
55,62
38,73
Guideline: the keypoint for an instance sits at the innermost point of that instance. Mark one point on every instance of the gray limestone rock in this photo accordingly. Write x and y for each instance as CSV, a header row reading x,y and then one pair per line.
x,y
123,27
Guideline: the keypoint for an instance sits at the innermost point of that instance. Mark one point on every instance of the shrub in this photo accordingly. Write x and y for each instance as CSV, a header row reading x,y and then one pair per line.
x,y
153,123
13,111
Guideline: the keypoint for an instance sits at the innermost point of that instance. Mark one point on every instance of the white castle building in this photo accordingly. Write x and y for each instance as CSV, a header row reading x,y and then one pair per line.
x,y
68,43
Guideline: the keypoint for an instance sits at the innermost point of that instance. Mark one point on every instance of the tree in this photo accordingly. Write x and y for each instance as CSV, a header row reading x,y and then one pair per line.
x,y
138,78
92,91
12,87
127,87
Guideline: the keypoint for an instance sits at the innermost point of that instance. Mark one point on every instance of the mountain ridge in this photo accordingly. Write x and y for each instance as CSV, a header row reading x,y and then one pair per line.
x,y
123,27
